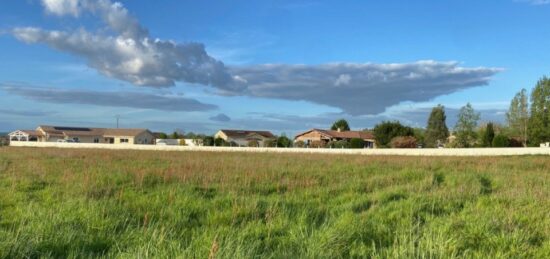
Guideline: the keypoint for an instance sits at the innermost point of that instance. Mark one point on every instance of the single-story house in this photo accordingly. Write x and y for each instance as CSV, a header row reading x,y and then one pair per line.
x,y
243,137
326,136
84,135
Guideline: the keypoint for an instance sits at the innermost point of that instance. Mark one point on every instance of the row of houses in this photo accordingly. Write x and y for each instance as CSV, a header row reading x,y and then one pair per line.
x,y
146,137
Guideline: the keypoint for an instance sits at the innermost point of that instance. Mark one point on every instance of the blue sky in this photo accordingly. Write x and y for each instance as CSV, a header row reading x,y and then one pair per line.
x,y
284,66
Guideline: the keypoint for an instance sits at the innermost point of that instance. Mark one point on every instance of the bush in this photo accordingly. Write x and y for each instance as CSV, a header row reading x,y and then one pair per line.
x,y
501,141
357,143
253,143
317,144
299,144
387,130
220,142
208,141
182,142
270,143
403,142
338,144
284,141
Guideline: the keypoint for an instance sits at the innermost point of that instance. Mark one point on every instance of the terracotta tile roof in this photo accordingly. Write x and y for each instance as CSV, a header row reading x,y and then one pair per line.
x,y
342,134
81,131
246,133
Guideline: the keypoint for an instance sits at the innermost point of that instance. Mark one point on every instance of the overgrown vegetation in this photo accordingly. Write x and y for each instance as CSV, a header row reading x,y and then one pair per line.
x,y
135,204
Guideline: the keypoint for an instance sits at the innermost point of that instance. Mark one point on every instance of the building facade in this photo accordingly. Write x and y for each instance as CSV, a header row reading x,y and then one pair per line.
x,y
244,137
321,137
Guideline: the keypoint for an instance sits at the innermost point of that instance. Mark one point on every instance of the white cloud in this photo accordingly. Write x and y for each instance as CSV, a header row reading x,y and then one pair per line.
x,y
535,2
62,7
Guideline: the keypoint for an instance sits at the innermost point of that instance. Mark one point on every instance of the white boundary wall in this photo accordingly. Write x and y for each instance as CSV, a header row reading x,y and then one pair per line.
x,y
400,152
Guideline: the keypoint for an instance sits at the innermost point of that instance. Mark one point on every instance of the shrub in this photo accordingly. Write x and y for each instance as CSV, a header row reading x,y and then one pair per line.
x,y
270,143
403,142
220,142
339,144
284,141
208,141
317,144
253,143
501,141
387,130
182,142
300,144
357,143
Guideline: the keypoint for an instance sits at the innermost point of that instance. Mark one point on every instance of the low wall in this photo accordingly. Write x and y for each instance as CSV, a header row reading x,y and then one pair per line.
x,y
400,152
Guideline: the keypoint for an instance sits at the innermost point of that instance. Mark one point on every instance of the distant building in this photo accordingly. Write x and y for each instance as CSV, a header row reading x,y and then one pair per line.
x,y
323,137
84,135
243,137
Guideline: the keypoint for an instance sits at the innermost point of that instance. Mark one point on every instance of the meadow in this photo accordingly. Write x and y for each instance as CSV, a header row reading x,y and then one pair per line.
x,y
75,203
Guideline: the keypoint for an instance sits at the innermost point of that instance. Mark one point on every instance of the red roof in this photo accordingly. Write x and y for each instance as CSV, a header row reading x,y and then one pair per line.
x,y
342,134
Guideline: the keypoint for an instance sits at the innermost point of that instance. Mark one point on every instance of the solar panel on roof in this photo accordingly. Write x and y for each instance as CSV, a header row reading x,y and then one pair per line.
x,y
72,129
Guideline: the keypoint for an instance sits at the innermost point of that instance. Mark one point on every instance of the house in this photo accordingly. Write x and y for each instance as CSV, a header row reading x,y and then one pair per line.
x,y
244,137
84,135
323,137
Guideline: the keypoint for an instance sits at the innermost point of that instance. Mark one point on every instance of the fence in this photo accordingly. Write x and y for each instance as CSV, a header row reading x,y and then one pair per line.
x,y
399,152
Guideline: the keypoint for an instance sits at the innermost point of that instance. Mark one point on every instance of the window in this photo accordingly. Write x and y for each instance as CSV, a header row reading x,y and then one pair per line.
x,y
123,140
96,140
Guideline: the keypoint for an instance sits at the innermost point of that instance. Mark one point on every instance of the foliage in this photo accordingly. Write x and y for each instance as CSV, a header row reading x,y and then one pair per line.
x,y
387,130
488,135
270,143
340,124
76,203
317,144
420,136
182,142
175,135
539,123
284,141
339,144
208,141
403,142
220,142
253,143
163,135
357,143
300,144
518,115
465,126
501,141
436,130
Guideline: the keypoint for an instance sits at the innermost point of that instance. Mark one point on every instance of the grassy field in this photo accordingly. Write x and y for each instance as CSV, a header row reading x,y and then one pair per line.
x,y
129,204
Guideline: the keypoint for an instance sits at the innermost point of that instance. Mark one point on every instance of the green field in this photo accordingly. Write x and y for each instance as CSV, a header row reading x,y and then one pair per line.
x,y
130,204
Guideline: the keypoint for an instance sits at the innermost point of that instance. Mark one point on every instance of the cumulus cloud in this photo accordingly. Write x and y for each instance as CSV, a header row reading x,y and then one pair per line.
x,y
220,117
360,89
113,99
129,53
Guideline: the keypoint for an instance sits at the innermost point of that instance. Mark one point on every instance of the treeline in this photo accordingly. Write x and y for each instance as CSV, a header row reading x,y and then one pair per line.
x,y
210,141
527,124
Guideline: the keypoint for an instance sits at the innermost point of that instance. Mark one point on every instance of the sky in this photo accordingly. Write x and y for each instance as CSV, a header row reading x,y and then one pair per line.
x,y
284,66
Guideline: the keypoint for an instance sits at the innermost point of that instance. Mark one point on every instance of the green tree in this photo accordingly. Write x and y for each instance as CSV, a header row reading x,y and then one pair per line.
x,y
356,143
436,130
518,116
175,135
163,135
539,123
501,141
488,135
385,131
341,125
284,141
466,125
220,142
208,141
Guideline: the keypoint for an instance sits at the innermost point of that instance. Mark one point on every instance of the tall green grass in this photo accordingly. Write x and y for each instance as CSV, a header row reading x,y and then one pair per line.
x,y
97,203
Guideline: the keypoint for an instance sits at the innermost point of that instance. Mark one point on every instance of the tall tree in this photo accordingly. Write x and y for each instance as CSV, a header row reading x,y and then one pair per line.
x,y
539,123
436,131
341,125
465,126
488,135
518,115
